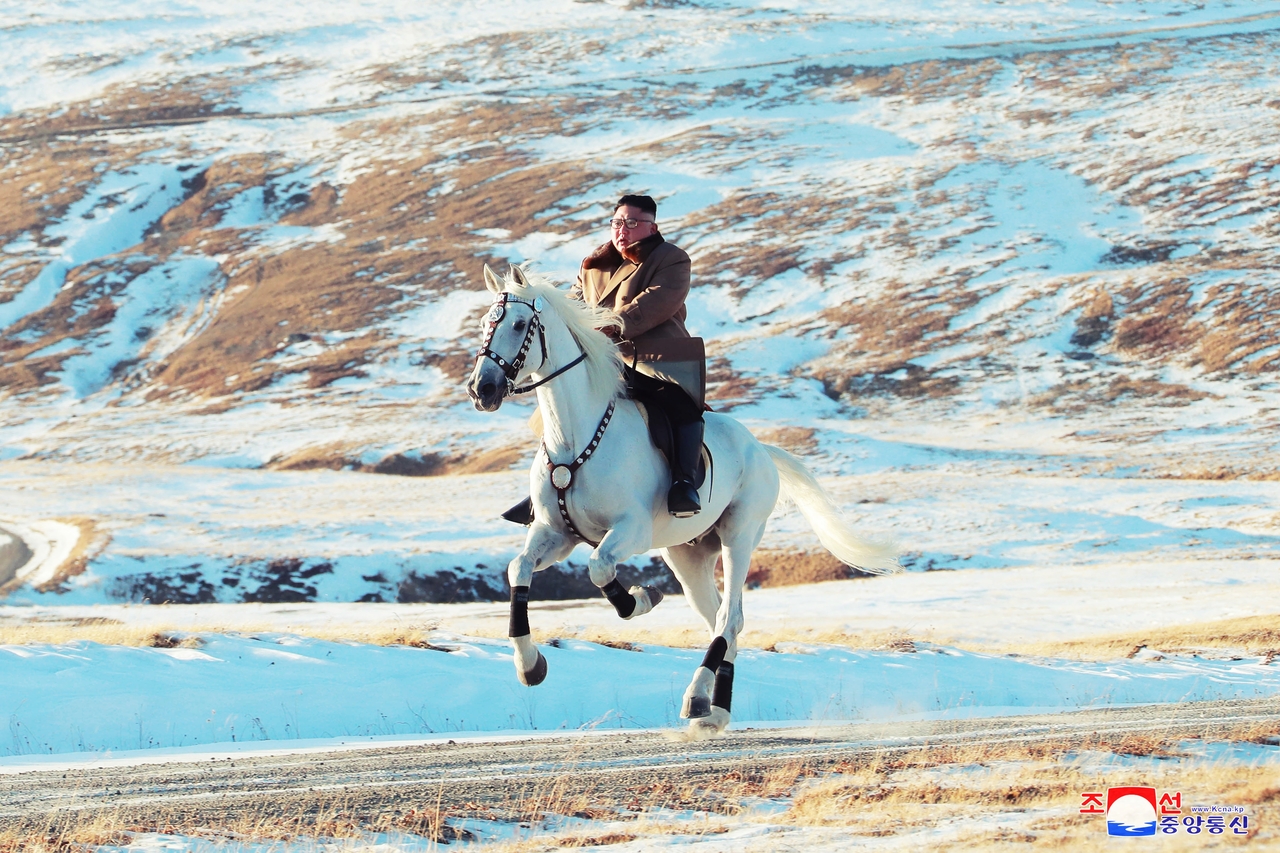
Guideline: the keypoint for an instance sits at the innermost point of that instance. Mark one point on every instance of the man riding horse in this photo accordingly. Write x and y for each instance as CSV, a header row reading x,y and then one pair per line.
x,y
645,280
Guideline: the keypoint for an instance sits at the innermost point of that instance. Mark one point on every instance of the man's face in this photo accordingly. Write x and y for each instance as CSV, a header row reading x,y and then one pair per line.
x,y
621,235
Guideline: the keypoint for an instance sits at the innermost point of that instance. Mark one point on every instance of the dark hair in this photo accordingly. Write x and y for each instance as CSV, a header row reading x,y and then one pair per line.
x,y
644,203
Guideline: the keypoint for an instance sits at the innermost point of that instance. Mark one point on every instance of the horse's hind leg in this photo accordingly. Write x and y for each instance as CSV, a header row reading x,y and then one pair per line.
x,y
694,566
716,673
542,547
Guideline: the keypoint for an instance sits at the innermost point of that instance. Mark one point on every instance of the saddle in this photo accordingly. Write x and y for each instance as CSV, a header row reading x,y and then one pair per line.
x,y
663,438
677,361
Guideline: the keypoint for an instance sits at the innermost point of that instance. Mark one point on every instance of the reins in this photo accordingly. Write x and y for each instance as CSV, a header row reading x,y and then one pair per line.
x,y
525,389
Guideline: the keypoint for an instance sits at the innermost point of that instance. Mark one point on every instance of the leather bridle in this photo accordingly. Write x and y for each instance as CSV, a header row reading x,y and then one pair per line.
x,y
511,369
561,476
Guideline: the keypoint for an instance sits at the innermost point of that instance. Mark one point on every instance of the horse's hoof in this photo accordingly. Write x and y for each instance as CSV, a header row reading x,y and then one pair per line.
x,y
646,597
696,707
711,725
535,676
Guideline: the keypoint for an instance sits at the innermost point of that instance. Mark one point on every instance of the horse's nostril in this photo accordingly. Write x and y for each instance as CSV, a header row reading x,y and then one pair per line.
x,y
487,389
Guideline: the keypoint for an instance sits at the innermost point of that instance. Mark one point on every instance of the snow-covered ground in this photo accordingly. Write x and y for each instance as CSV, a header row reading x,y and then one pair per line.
x,y
85,697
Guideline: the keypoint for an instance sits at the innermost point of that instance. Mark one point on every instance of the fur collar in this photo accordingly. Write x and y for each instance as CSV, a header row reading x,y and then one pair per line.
x,y
606,257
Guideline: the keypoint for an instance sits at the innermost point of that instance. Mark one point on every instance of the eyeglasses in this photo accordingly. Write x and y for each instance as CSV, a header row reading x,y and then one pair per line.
x,y
616,224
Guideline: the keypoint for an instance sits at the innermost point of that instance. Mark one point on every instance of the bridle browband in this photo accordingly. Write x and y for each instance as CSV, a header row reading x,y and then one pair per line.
x,y
511,369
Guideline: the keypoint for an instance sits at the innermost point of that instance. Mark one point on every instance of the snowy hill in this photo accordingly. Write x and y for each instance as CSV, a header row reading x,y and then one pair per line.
x,y
969,258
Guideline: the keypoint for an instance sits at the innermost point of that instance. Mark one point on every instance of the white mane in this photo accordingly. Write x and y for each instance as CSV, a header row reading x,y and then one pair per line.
x,y
603,363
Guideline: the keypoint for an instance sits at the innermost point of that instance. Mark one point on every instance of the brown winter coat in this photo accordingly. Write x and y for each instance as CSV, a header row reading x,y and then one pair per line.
x,y
649,296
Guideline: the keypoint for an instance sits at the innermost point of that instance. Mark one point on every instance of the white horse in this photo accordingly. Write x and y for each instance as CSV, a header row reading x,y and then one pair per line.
x,y
599,479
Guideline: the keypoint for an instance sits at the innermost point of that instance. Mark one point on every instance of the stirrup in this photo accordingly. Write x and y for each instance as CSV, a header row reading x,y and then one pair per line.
x,y
521,513
682,500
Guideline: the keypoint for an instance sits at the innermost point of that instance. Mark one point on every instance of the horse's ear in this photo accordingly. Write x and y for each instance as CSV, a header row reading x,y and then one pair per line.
x,y
518,275
491,280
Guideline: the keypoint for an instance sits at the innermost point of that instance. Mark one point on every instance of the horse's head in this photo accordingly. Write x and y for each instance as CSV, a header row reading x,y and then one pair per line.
x,y
513,335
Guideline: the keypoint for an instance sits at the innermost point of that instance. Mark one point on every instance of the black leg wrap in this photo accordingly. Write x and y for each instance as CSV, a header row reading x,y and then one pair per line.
x,y
715,653
622,601
519,612
722,693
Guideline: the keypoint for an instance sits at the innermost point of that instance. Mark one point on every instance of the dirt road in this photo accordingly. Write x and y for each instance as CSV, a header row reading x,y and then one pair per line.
x,y
513,778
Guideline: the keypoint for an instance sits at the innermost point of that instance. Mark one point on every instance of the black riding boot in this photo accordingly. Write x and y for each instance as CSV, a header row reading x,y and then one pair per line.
x,y
521,513
682,500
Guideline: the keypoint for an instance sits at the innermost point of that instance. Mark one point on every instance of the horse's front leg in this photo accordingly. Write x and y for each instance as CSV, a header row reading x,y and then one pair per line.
x,y
631,535
542,547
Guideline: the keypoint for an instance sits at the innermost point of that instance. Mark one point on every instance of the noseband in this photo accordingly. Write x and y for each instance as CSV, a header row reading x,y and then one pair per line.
x,y
511,369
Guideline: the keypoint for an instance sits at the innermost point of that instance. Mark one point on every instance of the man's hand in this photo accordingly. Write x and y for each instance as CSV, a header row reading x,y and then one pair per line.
x,y
614,333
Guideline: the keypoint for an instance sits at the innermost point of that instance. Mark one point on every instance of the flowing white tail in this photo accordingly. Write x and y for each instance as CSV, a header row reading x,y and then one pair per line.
x,y
834,532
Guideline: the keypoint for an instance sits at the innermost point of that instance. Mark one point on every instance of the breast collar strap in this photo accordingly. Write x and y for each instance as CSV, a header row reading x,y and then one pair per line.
x,y
562,475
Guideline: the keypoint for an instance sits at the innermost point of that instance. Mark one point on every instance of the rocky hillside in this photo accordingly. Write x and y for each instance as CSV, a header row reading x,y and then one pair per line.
x,y
1032,212
252,238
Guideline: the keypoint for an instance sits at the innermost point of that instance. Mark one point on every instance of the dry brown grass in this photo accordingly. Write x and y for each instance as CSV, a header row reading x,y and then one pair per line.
x,y
917,82
800,440
1217,472
399,237
324,819
337,457
104,631
116,633
934,789
1255,636
1251,635
893,795
1080,396
912,793
694,637
771,568
86,834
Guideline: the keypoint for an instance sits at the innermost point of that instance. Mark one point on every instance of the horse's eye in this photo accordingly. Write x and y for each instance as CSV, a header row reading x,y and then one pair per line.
x,y
519,326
